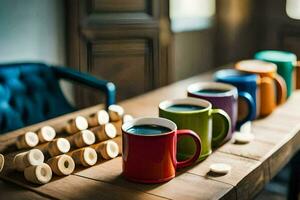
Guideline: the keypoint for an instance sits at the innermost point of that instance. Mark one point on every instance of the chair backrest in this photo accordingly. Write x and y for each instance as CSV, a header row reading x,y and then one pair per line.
x,y
29,93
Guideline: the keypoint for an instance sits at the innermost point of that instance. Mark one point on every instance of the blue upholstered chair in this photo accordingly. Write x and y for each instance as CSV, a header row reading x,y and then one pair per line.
x,y
30,93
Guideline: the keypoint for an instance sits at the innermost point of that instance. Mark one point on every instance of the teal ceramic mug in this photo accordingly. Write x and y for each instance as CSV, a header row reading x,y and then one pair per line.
x,y
286,64
197,115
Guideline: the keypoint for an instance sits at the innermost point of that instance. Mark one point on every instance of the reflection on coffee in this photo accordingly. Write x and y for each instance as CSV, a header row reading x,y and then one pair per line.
x,y
184,108
148,129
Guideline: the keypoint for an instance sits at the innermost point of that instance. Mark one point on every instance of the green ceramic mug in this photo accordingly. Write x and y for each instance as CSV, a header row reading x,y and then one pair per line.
x,y
197,115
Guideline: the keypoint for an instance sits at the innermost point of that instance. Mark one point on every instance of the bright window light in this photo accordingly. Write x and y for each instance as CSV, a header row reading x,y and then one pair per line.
x,y
293,8
191,8
191,14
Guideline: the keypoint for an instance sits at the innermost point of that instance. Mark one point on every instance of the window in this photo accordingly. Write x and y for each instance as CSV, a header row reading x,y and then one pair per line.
x,y
293,8
188,15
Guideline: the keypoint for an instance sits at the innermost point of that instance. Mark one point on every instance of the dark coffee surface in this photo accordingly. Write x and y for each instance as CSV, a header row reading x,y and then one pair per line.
x,y
184,107
211,91
148,129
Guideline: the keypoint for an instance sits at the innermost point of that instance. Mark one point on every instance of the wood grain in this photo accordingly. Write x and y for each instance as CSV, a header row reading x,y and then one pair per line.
x,y
255,150
234,176
189,186
72,187
277,138
121,59
75,187
278,122
111,171
252,171
269,135
11,191
283,153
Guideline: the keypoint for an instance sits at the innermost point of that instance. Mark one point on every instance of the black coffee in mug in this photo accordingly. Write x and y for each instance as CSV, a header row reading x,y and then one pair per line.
x,y
184,108
210,91
148,129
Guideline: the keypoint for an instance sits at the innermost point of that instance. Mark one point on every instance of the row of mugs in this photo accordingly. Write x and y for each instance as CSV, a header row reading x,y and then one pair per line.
x,y
153,148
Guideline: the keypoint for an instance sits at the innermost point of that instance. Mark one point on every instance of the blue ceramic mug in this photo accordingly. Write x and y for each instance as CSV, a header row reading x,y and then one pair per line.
x,y
247,91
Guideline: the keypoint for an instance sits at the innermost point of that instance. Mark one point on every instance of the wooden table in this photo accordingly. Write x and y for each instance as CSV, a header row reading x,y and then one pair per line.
x,y
277,139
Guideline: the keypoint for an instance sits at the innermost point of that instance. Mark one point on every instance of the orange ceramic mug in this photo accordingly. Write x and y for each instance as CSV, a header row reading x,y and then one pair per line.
x,y
270,96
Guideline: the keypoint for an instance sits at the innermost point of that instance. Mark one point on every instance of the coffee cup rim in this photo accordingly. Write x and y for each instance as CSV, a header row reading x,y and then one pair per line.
x,y
159,121
235,75
256,66
229,90
188,100
276,56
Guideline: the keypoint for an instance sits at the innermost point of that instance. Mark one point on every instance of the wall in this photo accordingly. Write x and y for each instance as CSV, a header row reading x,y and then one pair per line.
x,y
193,53
33,30
280,31
192,23
237,30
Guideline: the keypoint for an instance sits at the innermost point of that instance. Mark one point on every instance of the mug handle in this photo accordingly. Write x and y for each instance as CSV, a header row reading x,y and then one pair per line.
x,y
218,137
251,107
268,99
197,140
281,89
297,75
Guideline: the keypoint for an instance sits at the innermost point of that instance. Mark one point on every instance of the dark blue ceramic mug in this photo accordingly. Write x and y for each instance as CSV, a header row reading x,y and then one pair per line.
x,y
247,91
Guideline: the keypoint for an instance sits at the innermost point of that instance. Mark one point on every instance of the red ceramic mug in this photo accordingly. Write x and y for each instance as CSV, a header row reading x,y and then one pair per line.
x,y
150,147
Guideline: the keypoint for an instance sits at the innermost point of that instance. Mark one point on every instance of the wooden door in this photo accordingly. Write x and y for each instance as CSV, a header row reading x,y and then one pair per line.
x,y
124,41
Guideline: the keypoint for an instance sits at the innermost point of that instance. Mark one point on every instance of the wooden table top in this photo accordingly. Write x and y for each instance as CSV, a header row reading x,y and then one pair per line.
x,y
276,140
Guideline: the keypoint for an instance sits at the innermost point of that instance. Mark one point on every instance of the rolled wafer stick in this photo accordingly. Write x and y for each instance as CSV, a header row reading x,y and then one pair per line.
x,y
118,140
32,157
118,124
116,112
101,148
46,134
38,174
28,140
62,165
78,124
108,149
98,119
85,156
58,146
19,163
2,161
43,147
82,138
105,132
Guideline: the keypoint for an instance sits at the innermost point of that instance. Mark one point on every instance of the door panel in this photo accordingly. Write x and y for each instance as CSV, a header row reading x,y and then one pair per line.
x,y
118,40
124,62
120,5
